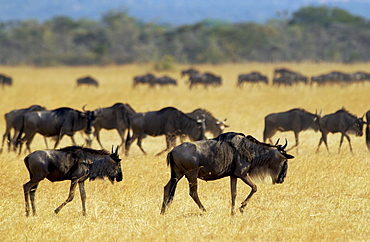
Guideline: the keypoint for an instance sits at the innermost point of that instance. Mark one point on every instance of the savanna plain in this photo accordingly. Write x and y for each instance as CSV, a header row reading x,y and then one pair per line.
x,y
325,196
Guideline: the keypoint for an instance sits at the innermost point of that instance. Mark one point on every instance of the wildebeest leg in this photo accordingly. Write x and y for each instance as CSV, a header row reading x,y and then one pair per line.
x,y
169,191
72,139
83,197
192,177
296,135
122,135
29,190
5,136
70,196
128,143
97,135
139,139
233,181
170,142
341,141
323,139
247,180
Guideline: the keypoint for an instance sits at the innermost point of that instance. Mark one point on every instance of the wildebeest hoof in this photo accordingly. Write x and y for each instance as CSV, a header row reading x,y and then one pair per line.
x,y
241,209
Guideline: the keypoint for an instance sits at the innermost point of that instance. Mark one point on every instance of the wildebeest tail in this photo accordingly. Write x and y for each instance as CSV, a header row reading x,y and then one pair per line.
x,y
170,160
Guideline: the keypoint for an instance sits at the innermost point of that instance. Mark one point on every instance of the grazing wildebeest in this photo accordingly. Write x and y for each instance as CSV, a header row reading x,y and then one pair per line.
x,y
295,120
213,125
14,120
206,79
144,79
5,80
230,154
114,117
343,122
253,77
189,72
332,77
89,81
368,129
70,163
56,123
168,121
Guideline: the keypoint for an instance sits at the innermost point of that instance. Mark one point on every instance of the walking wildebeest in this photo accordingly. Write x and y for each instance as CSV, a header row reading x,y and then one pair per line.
x,y
5,80
58,122
230,154
114,117
288,77
14,120
253,77
368,129
168,121
164,81
295,120
343,122
70,163
213,125
144,79
206,79
87,81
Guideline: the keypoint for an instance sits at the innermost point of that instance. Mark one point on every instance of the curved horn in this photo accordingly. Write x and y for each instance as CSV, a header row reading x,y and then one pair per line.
x,y
116,152
83,107
112,149
277,142
286,143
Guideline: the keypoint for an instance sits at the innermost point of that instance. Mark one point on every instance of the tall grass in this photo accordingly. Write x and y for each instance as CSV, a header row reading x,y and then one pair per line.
x,y
324,197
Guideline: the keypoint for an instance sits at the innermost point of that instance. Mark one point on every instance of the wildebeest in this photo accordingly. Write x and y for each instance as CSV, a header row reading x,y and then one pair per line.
x,y
253,77
5,80
295,120
213,125
332,77
168,121
288,77
70,163
230,154
368,129
206,79
343,122
14,120
89,81
114,117
144,79
163,81
56,123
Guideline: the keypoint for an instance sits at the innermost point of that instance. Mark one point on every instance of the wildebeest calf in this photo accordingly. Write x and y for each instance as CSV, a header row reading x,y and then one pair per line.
x,y
70,163
230,154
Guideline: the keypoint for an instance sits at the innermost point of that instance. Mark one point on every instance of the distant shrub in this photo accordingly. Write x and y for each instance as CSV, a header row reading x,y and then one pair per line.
x,y
165,64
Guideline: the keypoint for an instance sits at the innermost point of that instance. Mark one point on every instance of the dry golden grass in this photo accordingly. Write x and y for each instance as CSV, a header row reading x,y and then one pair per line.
x,y
325,197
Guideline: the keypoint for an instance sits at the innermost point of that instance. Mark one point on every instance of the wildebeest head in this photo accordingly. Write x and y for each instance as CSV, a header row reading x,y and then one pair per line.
x,y
275,170
90,116
117,174
357,127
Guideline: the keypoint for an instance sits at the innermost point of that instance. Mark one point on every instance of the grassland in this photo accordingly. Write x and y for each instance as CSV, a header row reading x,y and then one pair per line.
x,y
325,197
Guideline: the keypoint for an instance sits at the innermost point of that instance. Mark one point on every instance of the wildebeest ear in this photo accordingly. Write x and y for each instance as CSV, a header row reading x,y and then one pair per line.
x,y
287,156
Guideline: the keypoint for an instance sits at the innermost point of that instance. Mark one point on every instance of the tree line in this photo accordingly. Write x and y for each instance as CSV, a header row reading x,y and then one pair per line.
x,y
319,34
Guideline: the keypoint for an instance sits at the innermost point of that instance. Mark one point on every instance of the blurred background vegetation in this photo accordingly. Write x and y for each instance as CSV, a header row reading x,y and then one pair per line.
x,y
318,34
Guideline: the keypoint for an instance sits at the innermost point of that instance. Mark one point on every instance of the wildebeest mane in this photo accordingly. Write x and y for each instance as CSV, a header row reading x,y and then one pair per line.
x,y
343,110
75,148
61,111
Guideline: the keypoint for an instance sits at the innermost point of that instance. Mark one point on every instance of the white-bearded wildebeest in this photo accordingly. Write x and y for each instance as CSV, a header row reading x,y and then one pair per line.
x,y
56,123
89,81
368,129
343,122
144,79
114,117
189,72
253,77
287,77
213,125
73,163
295,120
230,154
206,79
168,121
14,120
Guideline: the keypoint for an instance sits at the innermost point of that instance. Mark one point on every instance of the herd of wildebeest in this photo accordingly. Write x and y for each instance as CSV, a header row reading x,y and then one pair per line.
x,y
227,154
281,76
